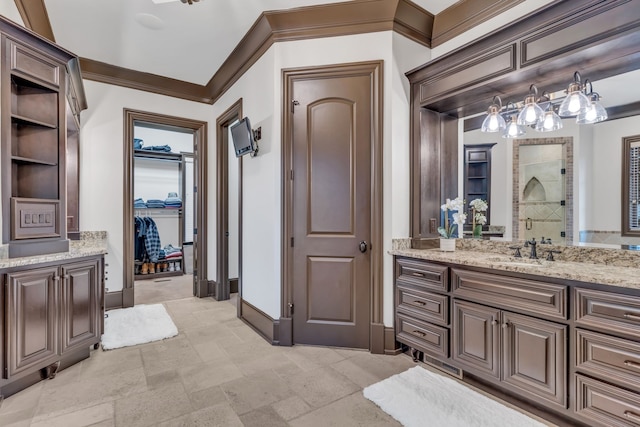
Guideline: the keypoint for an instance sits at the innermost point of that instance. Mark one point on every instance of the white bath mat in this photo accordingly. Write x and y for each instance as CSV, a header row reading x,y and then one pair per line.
x,y
420,398
137,325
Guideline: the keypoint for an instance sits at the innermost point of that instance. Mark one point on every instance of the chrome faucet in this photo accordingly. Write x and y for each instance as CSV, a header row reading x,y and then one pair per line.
x,y
532,244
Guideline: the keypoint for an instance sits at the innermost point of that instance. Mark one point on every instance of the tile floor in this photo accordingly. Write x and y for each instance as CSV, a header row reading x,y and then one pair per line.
x,y
216,372
163,289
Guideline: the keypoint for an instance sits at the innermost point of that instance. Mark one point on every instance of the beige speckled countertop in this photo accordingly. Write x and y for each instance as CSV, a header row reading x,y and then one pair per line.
x,y
90,243
592,272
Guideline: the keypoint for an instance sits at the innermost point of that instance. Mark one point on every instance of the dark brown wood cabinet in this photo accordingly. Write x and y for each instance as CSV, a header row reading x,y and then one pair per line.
x,y
477,177
32,320
34,78
52,314
81,304
522,352
607,357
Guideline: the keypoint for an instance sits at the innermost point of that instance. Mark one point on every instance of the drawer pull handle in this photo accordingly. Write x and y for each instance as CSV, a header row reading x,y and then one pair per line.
x,y
632,416
632,316
418,274
632,364
420,303
419,333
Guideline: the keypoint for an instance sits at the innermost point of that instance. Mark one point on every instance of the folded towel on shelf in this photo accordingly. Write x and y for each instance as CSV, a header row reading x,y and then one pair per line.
x,y
161,148
155,203
173,201
139,204
137,143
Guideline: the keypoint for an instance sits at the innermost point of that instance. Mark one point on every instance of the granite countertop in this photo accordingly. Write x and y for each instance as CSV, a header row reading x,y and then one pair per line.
x,y
90,243
592,272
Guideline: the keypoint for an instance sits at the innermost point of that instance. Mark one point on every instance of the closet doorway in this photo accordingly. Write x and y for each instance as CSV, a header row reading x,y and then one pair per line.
x,y
229,209
165,165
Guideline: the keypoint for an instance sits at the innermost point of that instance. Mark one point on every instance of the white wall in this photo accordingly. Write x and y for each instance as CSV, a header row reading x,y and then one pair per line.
x,y
233,213
606,172
101,157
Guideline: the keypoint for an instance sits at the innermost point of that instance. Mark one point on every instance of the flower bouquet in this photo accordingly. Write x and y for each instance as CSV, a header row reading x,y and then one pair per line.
x,y
451,229
479,218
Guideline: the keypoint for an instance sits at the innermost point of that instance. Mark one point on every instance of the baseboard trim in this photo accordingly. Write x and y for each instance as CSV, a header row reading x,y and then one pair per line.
x,y
112,300
377,338
233,285
260,322
391,346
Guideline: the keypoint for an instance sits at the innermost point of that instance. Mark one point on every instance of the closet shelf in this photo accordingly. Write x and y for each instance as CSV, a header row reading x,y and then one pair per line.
x,y
157,155
27,160
32,122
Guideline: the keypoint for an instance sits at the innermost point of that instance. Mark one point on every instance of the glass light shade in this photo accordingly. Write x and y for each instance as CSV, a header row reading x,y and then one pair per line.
x,y
531,112
550,122
575,103
594,113
494,122
513,130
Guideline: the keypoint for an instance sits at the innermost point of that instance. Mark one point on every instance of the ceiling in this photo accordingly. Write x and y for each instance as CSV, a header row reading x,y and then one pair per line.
x,y
173,39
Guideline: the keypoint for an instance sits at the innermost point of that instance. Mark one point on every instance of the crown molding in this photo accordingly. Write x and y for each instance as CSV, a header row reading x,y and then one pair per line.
x,y
132,79
465,15
329,20
35,17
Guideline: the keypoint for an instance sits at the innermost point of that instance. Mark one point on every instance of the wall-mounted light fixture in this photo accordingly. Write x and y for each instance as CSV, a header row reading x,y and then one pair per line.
x,y
543,113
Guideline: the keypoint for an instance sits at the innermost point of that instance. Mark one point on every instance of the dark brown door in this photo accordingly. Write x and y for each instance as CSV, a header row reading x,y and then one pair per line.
x,y
32,298
476,337
534,356
80,296
332,136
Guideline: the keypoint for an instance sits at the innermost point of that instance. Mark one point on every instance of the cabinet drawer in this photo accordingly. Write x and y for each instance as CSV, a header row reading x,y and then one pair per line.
x,y
613,359
425,305
611,312
423,336
28,62
422,274
531,296
606,405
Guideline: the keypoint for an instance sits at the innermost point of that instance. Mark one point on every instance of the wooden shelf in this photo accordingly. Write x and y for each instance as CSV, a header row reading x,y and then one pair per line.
x,y
32,122
26,160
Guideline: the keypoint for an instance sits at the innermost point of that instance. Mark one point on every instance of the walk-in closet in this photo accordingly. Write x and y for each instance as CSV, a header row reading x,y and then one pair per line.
x,y
163,183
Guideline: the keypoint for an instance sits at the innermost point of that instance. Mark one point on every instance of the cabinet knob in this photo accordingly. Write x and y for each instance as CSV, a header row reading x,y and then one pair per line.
x,y
505,325
494,322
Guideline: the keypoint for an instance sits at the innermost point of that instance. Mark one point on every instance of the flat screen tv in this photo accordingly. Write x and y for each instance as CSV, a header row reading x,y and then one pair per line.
x,y
243,140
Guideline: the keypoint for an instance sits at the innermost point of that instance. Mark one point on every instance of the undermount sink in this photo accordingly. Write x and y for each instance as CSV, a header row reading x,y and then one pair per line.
x,y
517,262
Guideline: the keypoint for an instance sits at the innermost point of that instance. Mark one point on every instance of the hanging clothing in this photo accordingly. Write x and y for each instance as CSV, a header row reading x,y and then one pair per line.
x,y
152,240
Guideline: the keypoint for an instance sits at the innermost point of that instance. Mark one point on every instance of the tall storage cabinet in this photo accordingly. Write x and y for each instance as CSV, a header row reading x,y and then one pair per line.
x,y
33,76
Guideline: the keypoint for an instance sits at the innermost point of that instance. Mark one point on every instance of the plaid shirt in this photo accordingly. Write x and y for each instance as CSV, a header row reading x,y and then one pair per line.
x,y
152,240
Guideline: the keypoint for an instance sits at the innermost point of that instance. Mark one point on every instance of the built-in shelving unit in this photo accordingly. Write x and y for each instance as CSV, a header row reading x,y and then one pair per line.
x,y
477,176
33,114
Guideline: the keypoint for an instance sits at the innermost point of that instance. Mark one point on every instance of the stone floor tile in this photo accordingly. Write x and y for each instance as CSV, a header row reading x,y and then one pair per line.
x,y
152,407
321,386
291,408
215,416
208,397
354,410
82,418
263,417
200,377
248,393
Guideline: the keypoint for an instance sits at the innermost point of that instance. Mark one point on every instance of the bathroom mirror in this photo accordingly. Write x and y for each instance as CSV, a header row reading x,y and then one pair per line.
x,y
565,185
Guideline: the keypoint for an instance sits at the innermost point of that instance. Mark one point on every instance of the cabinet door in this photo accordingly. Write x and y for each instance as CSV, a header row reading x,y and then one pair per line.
x,y
476,337
80,304
534,356
31,319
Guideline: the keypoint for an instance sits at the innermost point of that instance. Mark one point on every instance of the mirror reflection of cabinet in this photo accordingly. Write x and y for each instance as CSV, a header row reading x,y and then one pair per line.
x,y
477,177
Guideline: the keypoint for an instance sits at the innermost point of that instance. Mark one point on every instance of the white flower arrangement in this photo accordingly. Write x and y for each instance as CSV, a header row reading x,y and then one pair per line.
x,y
459,218
479,206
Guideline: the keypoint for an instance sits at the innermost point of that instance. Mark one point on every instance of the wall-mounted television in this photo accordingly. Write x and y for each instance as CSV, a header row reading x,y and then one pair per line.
x,y
243,138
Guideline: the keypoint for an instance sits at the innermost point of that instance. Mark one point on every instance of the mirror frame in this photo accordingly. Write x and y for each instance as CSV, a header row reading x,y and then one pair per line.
x,y
544,48
626,146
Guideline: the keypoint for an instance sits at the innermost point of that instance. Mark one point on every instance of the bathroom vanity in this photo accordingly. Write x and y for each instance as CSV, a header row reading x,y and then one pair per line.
x,y
558,335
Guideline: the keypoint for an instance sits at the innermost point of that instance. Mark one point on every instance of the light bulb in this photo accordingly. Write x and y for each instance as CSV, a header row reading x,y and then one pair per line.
x,y
548,122
574,104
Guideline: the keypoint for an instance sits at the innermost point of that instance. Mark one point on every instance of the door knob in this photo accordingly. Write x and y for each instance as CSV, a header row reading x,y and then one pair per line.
x,y
363,246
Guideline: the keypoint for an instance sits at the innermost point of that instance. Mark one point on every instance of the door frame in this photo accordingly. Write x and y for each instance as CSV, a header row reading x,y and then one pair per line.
x,y
222,287
373,69
200,133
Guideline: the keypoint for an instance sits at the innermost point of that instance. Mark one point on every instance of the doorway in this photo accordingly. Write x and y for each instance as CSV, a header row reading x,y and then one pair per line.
x,y
195,161
332,178
229,209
